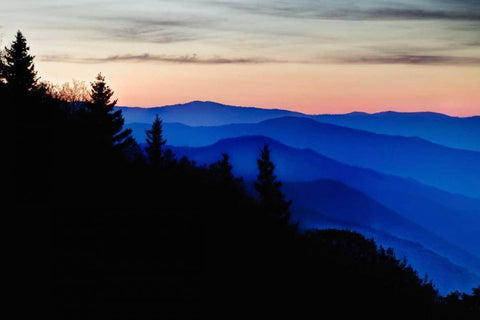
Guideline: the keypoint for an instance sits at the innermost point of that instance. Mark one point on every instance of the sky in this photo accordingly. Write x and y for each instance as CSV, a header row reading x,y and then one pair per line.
x,y
329,56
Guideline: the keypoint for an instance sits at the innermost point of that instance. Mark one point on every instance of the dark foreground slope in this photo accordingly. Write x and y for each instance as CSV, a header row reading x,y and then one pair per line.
x,y
194,247
197,248
321,204
131,242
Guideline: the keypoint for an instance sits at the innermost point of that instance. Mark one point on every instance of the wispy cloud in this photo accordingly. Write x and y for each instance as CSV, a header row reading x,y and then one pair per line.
x,y
408,59
185,59
256,32
194,59
335,11
159,30
407,14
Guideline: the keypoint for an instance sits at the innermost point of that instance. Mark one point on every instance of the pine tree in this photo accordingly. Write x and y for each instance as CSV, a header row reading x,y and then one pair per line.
x,y
155,143
108,122
18,68
269,188
223,169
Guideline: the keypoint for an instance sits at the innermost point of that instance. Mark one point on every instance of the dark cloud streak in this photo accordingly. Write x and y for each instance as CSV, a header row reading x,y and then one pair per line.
x,y
217,60
161,30
314,10
412,14
185,59
407,59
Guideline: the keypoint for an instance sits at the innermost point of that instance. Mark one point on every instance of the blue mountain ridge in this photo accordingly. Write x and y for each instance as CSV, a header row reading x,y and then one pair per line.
x,y
373,173
426,206
342,202
454,132
446,275
452,170
203,113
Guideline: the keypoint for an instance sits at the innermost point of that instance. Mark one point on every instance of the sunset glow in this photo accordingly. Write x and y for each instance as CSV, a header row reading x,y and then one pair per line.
x,y
332,57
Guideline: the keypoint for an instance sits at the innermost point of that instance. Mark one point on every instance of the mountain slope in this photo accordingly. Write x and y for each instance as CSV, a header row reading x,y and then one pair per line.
x,y
454,132
203,113
426,206
447,275
452,170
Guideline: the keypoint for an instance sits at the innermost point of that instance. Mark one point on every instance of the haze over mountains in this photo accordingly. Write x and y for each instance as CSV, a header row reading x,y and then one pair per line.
x,y
454,132
200,113
411,198
453,170
447,275
412,180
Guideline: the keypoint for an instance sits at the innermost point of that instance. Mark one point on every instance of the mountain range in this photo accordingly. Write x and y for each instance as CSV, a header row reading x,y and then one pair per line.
x,y
410,180
204,113
454,132
416,202
362,199
452,170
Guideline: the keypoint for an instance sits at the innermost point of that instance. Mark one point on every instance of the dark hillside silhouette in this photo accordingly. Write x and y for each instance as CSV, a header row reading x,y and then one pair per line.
x,y
130,241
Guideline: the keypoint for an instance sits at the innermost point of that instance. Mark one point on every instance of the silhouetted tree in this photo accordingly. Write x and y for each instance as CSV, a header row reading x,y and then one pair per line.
x,y
18,69
269,188
223,169
108,122
155,143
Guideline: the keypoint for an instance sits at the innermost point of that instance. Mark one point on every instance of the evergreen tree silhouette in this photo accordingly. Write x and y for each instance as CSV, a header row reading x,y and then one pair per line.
x,y
108,122
223,169
155,143
269,188
18,68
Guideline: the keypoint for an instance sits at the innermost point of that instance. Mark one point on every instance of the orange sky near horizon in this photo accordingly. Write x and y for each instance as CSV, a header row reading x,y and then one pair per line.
x,y
324,56
308,88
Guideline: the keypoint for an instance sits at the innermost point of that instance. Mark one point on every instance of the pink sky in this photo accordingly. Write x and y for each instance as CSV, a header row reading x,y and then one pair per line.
x,y
310,56
309,88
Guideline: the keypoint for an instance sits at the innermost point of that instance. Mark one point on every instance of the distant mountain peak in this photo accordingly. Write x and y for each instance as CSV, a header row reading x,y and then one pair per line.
x,y
206,102
415,114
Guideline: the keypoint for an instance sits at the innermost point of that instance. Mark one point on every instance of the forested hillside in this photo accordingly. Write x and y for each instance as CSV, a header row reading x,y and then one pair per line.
x,y
140,234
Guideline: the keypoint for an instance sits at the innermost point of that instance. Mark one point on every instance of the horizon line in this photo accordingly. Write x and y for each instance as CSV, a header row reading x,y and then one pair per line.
x,y
299,112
